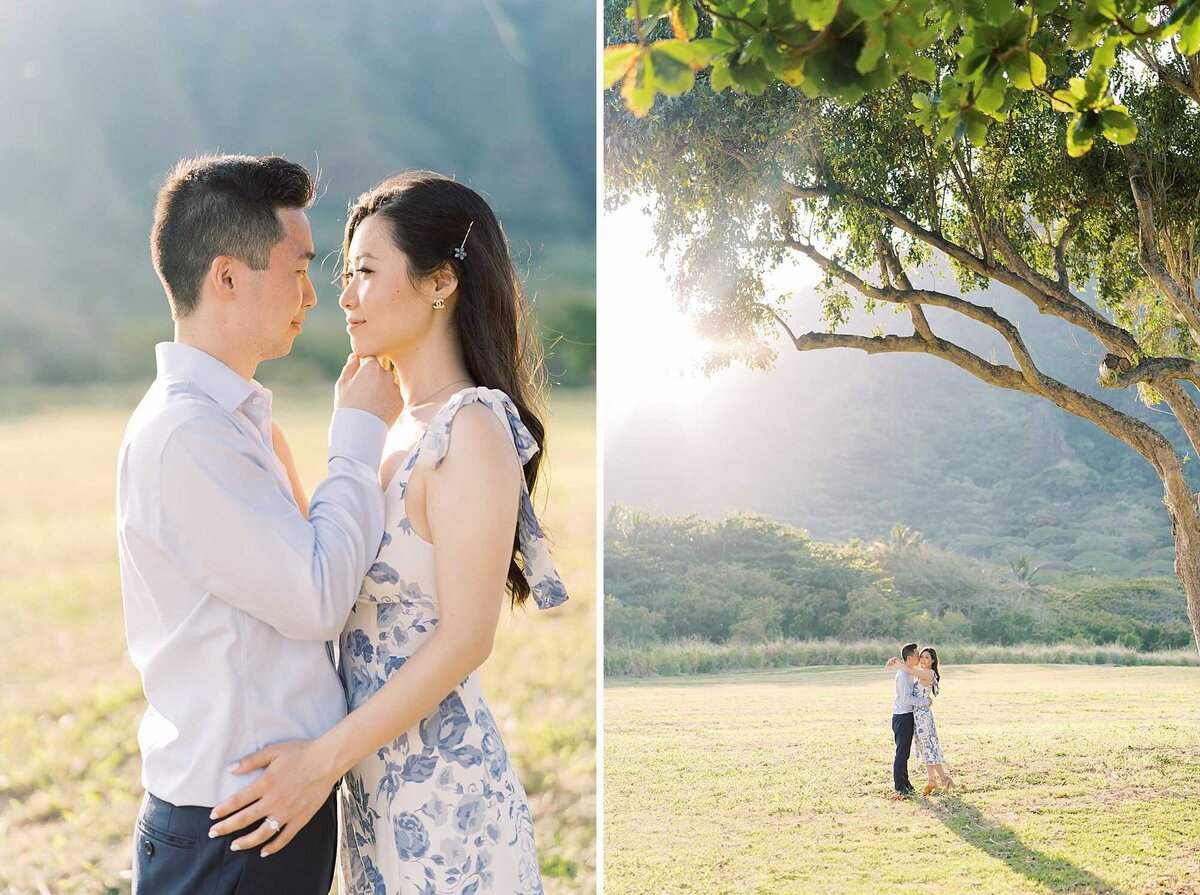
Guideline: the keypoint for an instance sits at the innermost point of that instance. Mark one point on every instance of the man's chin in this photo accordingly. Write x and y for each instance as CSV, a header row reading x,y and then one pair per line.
x,y
284,348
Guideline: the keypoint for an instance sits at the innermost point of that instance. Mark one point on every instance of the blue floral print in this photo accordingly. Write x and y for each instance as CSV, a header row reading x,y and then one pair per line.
x,y
440,809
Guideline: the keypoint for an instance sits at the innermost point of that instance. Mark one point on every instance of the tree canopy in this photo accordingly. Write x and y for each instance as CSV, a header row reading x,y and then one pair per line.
x,y
1050,148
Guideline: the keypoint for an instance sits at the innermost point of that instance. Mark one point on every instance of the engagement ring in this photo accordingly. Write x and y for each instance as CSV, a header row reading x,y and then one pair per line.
x,y
273,824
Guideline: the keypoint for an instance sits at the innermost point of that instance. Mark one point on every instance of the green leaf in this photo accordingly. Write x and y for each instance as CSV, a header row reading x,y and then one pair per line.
x,y
923,69
1095,86
997,11
1185,21
639,87
753,77
1081,134
720,79
977,127
1037,69
867,10
1064,101
1118,126
973,64
696,54
1018,71
872,49
990,99
617,62
1026,70
672,77
818,13
647,9
792,71
684,20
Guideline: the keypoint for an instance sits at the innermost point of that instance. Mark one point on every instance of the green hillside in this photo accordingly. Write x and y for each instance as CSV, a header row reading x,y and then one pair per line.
x,y
749,579
846,445
101,99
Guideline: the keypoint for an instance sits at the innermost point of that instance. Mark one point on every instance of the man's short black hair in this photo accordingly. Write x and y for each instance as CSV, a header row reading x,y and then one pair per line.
x,y
221,205
907,650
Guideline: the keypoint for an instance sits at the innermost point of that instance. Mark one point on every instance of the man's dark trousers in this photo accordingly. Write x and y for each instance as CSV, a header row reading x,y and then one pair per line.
x,y
902,728
172,855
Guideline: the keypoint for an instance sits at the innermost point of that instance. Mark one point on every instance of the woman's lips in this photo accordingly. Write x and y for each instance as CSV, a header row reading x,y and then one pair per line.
x,y
351,324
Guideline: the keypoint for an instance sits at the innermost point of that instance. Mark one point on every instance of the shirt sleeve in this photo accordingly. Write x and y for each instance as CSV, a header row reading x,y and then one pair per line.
x,y
231,528
904,694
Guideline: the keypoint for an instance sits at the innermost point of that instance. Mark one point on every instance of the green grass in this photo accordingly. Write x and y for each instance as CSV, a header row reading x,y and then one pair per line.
x,y
694,656
1072,779
71,700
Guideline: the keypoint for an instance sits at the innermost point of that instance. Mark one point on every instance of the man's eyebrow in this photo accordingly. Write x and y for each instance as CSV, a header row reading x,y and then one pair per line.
x,y
307,256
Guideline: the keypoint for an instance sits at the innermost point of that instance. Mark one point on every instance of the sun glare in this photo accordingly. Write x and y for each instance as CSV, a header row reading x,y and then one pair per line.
x,y
650,350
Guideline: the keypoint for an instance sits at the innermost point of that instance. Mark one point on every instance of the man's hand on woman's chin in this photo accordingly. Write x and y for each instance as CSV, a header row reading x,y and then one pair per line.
x,y
298,779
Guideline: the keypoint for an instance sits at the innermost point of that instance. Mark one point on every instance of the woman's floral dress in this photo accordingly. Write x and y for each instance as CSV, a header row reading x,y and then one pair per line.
x,y
440,809
929,748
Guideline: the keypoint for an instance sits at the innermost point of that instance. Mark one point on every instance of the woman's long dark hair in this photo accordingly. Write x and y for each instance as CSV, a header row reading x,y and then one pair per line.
x,y
937,675
429,216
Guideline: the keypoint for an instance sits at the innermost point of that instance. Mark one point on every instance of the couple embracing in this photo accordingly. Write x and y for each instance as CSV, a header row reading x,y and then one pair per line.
x,y
237,586
918,681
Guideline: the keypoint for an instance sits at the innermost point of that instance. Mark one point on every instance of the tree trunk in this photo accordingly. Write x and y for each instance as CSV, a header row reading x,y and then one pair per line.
x,y
1185,526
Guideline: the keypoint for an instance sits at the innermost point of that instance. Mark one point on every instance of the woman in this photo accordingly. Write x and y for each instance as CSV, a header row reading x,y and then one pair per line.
x,y
430,802
927,683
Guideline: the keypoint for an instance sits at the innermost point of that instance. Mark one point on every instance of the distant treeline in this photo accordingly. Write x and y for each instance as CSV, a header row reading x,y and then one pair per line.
x,y
695,656
748,579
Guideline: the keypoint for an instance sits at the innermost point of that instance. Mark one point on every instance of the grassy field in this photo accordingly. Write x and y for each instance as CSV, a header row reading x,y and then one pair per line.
x,y
71,700
1072,779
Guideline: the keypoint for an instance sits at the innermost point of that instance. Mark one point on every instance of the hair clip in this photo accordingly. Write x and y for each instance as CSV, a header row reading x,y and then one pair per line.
x,y
461,252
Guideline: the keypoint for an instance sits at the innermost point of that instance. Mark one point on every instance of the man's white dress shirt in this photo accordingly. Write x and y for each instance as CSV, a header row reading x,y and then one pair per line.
x,y
230,593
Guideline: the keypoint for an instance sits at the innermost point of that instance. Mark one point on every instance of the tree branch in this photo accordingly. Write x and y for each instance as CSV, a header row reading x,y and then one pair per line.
x,y
1144,439
1050,300
1184,408
892,262
1117,371
987,316
1145,54
1148,257
1060,249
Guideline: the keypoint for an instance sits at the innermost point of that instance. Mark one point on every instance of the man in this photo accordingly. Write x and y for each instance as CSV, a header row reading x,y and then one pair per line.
x,y
230,593
902,719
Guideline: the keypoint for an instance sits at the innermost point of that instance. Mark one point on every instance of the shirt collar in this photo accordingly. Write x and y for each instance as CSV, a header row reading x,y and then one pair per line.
x,y
217,379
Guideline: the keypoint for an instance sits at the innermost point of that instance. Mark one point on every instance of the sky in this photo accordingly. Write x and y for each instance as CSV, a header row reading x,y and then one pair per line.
x,y
649,350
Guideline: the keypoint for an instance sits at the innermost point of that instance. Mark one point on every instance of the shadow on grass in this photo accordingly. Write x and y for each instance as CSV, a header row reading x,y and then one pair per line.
x,y
998,841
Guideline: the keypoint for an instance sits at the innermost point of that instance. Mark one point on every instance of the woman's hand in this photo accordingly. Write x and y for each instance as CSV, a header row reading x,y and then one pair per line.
x,y
297,782
892,662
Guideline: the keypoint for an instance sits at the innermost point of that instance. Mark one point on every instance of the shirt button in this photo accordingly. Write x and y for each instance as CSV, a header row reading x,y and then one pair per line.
x,y
148,848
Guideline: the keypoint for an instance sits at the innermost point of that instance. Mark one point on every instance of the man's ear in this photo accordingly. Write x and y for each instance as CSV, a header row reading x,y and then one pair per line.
x,y
221,275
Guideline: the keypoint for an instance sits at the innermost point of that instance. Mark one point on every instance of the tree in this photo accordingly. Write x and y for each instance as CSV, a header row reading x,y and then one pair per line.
x,y
1048,147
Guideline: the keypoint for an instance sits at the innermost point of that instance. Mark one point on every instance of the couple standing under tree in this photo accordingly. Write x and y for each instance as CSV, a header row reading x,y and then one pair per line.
x,y
236,584
918,681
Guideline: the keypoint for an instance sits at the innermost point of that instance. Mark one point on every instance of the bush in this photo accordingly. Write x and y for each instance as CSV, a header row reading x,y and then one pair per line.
x,y
629,625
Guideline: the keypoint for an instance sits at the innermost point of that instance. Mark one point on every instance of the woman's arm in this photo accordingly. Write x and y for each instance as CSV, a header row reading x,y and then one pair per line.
x,y
471,506
284,453
924,675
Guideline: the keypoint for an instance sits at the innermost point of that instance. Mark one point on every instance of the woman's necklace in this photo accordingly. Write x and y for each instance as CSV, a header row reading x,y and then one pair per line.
x,y
429,398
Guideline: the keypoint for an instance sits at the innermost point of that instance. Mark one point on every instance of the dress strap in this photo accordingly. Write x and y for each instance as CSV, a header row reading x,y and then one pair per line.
x,y
545,586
